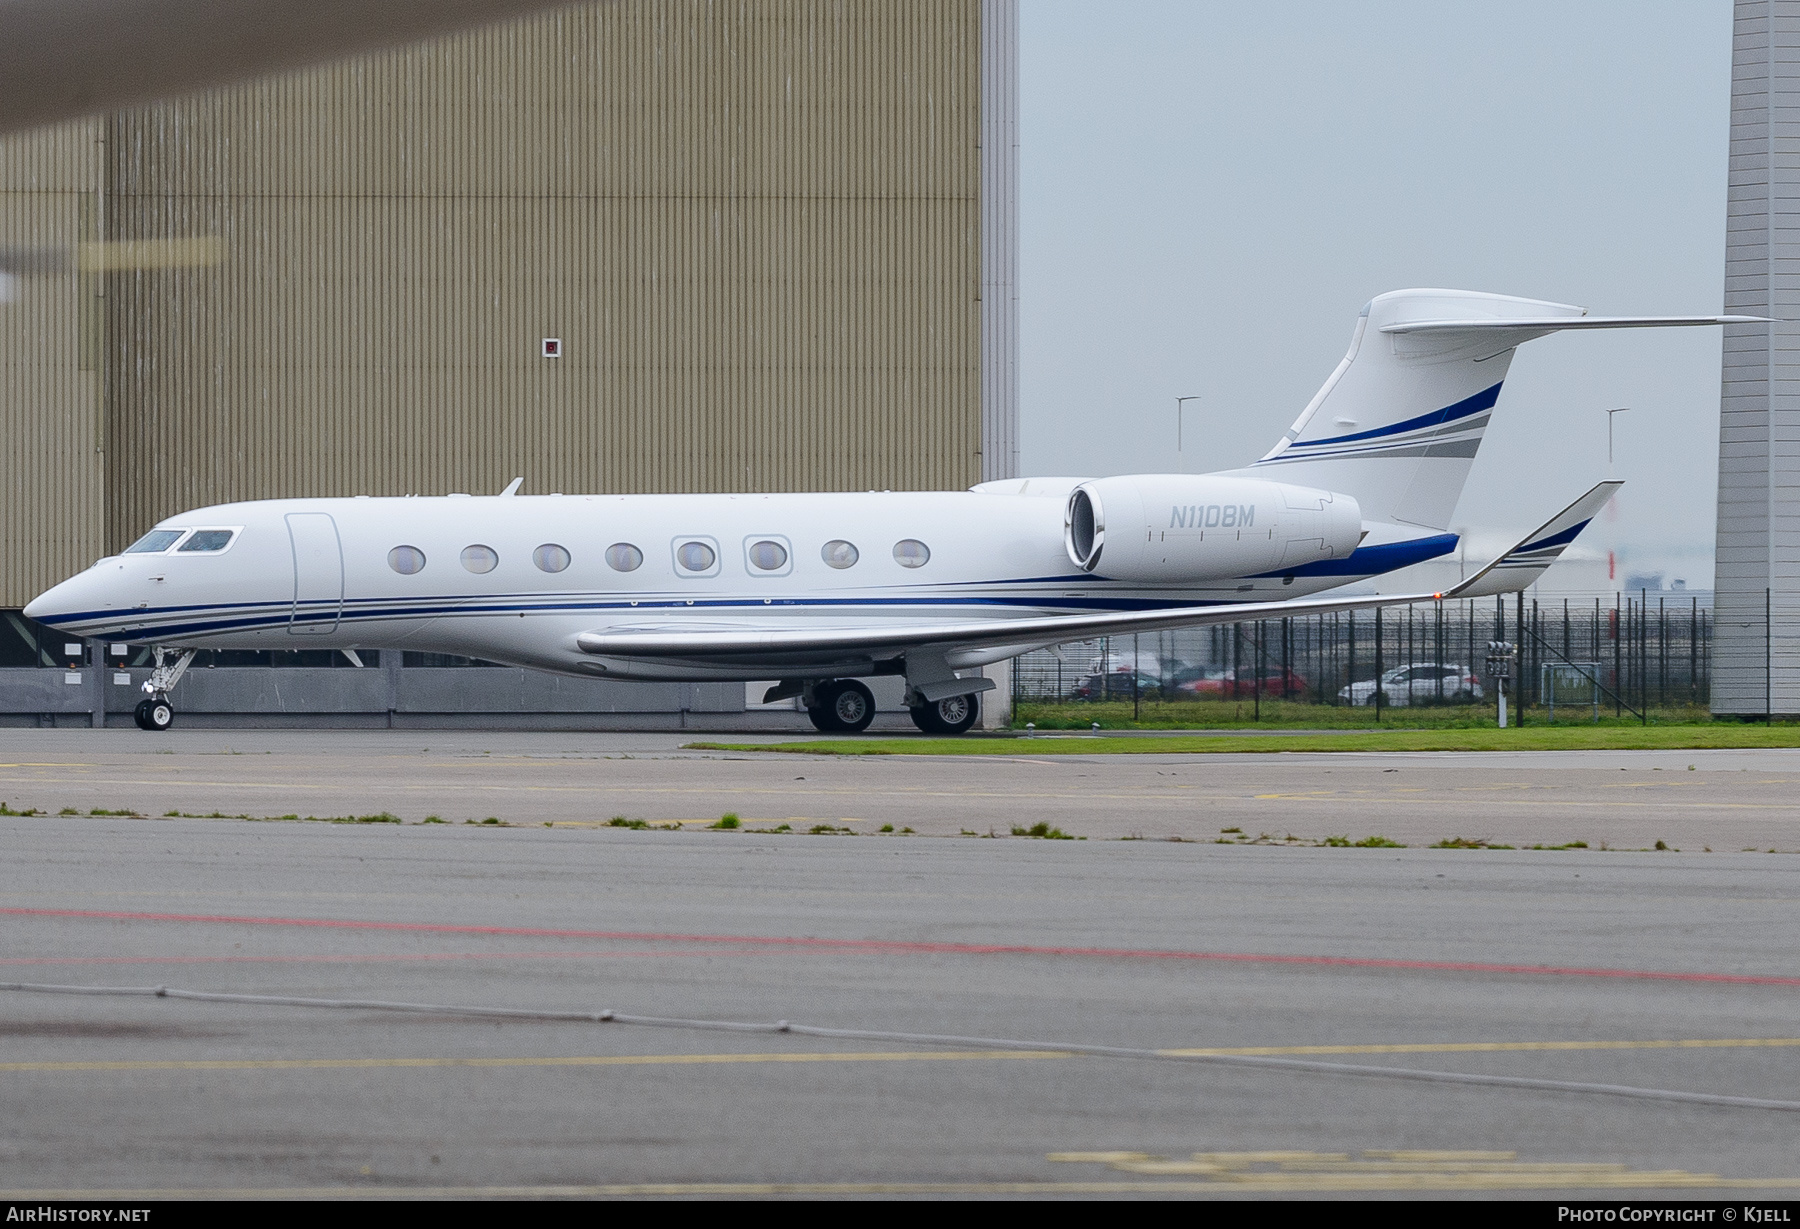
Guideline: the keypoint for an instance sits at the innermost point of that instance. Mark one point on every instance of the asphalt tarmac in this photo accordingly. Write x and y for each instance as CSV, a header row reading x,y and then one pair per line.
x,y
1689,800
1662,972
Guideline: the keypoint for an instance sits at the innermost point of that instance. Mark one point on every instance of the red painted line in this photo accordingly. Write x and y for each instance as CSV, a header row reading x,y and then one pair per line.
x,y
349,959
916,947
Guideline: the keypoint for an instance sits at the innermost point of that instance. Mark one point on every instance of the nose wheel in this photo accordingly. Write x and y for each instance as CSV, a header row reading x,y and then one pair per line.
x,y
843,706
157,713
154,714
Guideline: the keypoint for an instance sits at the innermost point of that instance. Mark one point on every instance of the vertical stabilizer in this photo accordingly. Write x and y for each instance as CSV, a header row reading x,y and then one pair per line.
x,y
1398,423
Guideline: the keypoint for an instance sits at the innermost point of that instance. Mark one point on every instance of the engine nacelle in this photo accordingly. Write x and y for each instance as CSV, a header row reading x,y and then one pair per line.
x,y
1189,528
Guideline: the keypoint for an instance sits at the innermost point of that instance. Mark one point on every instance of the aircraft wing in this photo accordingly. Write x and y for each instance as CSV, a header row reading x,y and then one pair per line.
x,y
1514,570
62,59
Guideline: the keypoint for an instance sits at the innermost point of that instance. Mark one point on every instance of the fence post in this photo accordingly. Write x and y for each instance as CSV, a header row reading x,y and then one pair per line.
x,y
1469,626
1437,646
1378,648
1237,641
1617,659
1694,653
1257,671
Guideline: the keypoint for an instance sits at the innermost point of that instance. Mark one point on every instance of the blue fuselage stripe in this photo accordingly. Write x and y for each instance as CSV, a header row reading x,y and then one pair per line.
x,y
210,620
1374,560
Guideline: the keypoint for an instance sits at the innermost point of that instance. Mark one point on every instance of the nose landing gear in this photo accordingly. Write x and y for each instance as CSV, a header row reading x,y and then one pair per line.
x,y
157,713
154,714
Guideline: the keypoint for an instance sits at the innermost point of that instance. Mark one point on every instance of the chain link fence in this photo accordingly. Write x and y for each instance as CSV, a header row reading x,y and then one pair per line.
x,y
1620,655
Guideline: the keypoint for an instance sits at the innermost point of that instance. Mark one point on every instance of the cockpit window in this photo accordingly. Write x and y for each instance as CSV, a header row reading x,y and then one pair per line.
x,y
155,542
207,539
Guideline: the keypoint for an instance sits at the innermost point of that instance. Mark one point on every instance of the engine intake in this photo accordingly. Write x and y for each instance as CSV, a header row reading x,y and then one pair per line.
x,y
1084,530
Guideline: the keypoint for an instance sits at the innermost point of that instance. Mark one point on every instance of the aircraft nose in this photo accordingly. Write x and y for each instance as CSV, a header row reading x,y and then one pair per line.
x,y
57,600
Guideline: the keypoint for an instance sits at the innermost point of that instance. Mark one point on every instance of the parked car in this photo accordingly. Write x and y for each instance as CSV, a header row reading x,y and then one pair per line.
x,y
1237,684
1407,685
1116,686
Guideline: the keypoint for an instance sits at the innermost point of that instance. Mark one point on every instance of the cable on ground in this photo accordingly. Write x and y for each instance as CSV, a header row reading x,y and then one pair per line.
x,y
992,1043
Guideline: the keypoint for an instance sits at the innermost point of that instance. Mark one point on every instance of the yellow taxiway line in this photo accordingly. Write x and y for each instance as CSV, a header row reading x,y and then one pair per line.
x,y
872,1056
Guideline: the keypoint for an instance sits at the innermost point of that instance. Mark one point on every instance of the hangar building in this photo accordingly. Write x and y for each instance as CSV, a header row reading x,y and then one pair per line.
x,y
641,245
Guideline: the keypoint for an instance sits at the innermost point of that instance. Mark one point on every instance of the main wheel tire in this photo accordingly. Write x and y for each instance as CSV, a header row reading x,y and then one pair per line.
x,y
154,715
843,706
852,705
954,715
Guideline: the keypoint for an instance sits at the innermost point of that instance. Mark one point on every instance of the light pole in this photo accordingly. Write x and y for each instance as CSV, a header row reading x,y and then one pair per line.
x,y
1612,509
1179,402
1624,409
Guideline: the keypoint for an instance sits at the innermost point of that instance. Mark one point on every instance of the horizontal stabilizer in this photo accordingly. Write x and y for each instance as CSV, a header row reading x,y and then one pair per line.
x,y
1552,324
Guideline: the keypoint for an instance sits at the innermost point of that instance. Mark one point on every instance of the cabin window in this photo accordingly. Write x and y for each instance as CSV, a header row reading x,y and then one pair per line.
x,y
911,553
480,559
550,557
691,556
838,554
407,560
767,556
624,557
207,540
155,542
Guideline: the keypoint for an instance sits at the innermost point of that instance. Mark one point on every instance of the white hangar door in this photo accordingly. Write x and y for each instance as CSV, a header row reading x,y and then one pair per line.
x,y
318,574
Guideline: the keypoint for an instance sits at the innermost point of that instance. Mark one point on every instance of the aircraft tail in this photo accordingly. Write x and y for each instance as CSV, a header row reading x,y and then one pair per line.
x,y
1398,423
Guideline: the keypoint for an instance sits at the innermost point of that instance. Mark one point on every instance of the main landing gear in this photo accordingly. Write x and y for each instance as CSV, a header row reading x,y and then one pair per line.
x,y
842,706
845,706
157,713
952,715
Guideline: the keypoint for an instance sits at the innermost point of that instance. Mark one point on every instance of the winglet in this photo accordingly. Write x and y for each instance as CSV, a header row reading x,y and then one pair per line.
x,y
1519,567
512,488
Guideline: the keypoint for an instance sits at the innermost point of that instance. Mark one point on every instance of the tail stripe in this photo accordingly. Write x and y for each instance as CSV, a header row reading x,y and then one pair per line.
x,y
1483,400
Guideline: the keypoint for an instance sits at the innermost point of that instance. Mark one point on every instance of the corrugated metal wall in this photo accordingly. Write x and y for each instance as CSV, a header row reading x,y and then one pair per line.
x,y
999,239
50,472
1757,600
755,227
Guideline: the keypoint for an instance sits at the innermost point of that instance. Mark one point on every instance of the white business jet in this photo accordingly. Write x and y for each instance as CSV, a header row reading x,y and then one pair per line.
x,y
821,590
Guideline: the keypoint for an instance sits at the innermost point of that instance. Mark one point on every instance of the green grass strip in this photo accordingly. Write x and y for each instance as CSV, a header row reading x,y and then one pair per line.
x,y
1641,738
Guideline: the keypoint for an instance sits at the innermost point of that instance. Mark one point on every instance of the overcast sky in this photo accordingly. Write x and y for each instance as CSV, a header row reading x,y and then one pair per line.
x,y
1212,190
